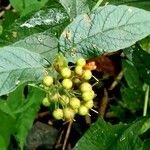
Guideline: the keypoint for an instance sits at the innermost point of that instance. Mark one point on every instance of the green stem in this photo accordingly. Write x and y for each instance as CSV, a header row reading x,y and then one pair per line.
x,y
97,4
95,78
40,88
95,84
23,1
76,93
146,101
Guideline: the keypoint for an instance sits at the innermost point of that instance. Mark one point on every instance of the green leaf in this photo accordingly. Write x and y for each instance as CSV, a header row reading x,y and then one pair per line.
x,y
26,118
141,60
132,98
7,124
1,29
146,145
145,4
4,107
2,143
16,99
25,7
76,7
8,117
10,17
48,17
43,43
106,29
131,75
119,112
132,94
145,44
129,53
51,20
18,66
104,136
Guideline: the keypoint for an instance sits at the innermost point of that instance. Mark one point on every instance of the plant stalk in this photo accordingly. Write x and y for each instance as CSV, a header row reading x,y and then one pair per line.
x,y
146,101
97,4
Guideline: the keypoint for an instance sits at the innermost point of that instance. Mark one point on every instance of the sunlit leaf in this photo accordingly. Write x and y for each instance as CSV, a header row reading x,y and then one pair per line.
x,y
18,66
107,29
45,44
76,7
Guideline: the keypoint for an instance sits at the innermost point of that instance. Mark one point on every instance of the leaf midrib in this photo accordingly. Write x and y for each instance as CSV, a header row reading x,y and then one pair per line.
x,y
104,31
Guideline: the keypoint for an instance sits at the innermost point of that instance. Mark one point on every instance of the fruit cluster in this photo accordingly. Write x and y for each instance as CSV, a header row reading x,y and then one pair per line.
x,y
71,93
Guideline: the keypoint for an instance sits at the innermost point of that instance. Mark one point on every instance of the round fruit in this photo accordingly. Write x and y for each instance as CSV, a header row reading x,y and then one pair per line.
x,y
64,100
89,104
78,70
74,102
83,111
76,110
45,102
59,62
85,86
56,97
76,81
87,75
58,114
68,113
88,95
65,72
48,81
81,62
67,83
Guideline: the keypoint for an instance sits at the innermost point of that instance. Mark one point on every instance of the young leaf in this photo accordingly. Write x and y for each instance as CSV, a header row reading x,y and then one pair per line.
x,y
18,66
106,29
103,136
